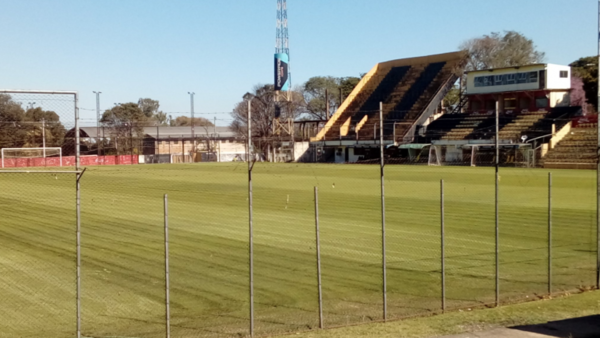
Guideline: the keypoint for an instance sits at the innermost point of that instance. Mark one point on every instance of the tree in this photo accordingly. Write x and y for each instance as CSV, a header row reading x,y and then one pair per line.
x,y
315,98
586,68
161,118
347,84
126,123
149,107
452,97
36,119
12,133
578,94
263,116
496,50
184,121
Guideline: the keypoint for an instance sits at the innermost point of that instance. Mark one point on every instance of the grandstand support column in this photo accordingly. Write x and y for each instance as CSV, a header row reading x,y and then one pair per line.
x,y
250,219
382,170
496,205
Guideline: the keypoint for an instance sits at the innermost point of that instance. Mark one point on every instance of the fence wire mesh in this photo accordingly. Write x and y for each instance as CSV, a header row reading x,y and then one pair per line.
x,y
123,266
30,122
37,268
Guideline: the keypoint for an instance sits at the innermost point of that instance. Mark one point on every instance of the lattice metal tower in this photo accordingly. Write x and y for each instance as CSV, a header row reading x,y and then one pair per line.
x,y
282,42
283,81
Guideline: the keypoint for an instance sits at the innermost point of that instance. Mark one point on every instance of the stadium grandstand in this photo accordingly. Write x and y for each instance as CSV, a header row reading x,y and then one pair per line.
x,y
537,124
410,90
535,115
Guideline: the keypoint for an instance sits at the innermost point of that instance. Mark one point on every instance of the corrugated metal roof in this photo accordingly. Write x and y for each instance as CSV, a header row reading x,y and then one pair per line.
x,y
165,132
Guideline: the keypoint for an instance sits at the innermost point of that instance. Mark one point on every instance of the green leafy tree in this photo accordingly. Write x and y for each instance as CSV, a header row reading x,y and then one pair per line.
x,y
126,126
184,121
149,107
37,119
452,97
316,100
347,84
12,131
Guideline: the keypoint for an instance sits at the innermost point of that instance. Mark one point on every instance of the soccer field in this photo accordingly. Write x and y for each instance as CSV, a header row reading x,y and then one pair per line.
x,y
123,263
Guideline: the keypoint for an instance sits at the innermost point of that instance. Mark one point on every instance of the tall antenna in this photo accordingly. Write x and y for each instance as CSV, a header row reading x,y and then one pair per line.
x,y
282,42
282,52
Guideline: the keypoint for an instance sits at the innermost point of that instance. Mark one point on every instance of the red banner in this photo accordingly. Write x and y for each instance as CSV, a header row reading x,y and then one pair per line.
x,y
69,161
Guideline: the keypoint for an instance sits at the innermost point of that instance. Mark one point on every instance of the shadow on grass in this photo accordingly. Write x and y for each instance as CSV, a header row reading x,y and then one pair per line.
x,y
582,327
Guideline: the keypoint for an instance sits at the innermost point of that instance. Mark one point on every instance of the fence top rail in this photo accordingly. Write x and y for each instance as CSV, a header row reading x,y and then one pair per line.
x,y
22,91
40,172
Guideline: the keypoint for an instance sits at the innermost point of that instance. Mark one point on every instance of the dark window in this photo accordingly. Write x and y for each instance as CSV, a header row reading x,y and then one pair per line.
x,y
498,80
564,74
533,77
511,79
510,103
541,102
522,77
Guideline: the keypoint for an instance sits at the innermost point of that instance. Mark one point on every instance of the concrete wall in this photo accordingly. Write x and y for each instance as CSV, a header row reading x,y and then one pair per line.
x,y
554,81
560,99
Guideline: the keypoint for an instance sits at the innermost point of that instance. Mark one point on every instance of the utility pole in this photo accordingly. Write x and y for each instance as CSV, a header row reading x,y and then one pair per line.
x,y
98,120
327,104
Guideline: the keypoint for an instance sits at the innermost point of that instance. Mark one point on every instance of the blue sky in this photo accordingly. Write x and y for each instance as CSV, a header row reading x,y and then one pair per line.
x,y
163,49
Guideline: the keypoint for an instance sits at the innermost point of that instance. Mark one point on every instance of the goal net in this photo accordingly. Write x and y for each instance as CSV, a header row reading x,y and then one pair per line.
x,y
31,157
511,155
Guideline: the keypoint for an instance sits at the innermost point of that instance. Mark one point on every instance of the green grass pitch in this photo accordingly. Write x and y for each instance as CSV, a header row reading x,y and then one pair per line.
x,y
122,236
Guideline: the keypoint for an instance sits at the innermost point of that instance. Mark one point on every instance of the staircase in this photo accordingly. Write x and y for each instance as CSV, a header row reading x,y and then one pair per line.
x,y
578,150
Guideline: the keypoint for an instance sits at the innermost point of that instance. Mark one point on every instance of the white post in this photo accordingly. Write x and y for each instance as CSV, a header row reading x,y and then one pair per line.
x,y
44,139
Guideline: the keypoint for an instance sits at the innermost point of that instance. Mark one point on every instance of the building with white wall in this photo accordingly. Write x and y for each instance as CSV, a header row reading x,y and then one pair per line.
x,y
527,88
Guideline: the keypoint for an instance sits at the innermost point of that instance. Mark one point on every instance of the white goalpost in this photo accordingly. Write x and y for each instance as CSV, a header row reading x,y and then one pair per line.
x,y
9,153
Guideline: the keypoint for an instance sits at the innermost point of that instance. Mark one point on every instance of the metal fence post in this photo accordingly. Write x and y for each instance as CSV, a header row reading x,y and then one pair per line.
x,y
496,204
167,290
549,233
77,139
78,250
443,242
318,239
382,169
250,219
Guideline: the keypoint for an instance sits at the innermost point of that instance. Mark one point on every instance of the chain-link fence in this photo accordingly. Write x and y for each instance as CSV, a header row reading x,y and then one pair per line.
x,y
243,256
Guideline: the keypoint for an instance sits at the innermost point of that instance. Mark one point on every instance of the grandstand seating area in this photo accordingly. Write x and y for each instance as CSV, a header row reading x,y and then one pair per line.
x,y
407,88
578,150
511,126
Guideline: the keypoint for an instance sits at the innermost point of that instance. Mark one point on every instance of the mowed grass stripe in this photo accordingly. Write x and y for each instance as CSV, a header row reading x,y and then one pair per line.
x,y
123,258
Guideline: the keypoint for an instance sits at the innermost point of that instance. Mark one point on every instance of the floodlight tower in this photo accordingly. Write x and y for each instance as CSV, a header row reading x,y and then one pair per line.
x,y
282,52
